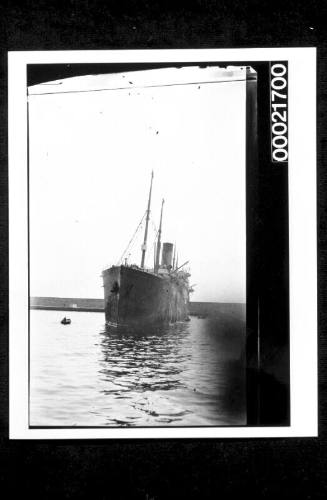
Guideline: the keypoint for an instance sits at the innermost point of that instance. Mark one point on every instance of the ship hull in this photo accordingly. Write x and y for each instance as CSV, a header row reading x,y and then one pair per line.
x,y
133,297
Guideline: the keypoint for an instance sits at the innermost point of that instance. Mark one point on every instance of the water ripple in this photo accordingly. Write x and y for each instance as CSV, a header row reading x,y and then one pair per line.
x,y
88,374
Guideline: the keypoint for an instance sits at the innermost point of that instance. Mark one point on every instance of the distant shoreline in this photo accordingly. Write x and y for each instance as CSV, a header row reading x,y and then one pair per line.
x,y
97,305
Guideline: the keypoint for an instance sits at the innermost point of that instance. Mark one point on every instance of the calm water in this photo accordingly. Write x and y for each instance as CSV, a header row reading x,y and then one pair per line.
x,y
188,374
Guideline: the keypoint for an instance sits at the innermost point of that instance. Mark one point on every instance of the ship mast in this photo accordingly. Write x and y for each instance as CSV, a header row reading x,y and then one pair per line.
x,y
146,224
159,239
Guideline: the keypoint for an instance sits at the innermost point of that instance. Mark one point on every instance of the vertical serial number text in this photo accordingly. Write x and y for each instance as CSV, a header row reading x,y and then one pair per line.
x,y
279,112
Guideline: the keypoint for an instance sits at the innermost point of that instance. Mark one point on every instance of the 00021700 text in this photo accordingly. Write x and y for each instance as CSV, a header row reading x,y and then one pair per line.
x,y
279,101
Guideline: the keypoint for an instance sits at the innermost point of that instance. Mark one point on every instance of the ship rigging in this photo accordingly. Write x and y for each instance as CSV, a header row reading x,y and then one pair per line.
x,y
145,222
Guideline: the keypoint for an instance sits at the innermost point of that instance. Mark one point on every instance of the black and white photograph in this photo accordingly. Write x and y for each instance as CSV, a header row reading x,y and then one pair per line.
x,y
161,255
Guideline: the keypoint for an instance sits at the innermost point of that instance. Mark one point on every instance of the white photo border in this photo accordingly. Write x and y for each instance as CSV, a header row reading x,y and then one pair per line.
x,y
302,239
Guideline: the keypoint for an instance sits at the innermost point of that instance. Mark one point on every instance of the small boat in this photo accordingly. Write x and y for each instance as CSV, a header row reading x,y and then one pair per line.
x,y
65,321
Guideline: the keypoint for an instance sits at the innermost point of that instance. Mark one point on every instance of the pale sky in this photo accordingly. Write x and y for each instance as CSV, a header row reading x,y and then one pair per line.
x,y
91,156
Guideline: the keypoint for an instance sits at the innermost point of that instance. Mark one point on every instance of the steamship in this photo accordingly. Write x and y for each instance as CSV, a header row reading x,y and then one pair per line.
x,y
136,296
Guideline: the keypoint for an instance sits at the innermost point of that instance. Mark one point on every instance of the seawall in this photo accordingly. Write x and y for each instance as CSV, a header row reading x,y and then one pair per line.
x,y
210,309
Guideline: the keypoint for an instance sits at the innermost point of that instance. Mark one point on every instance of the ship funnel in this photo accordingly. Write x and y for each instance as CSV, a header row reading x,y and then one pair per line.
x,y
167,254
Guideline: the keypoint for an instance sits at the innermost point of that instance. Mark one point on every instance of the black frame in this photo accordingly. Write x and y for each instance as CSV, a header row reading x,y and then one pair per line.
x,y
194,468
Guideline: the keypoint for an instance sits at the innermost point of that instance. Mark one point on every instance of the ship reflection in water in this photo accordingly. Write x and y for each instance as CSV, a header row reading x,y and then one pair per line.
x,y
185,374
